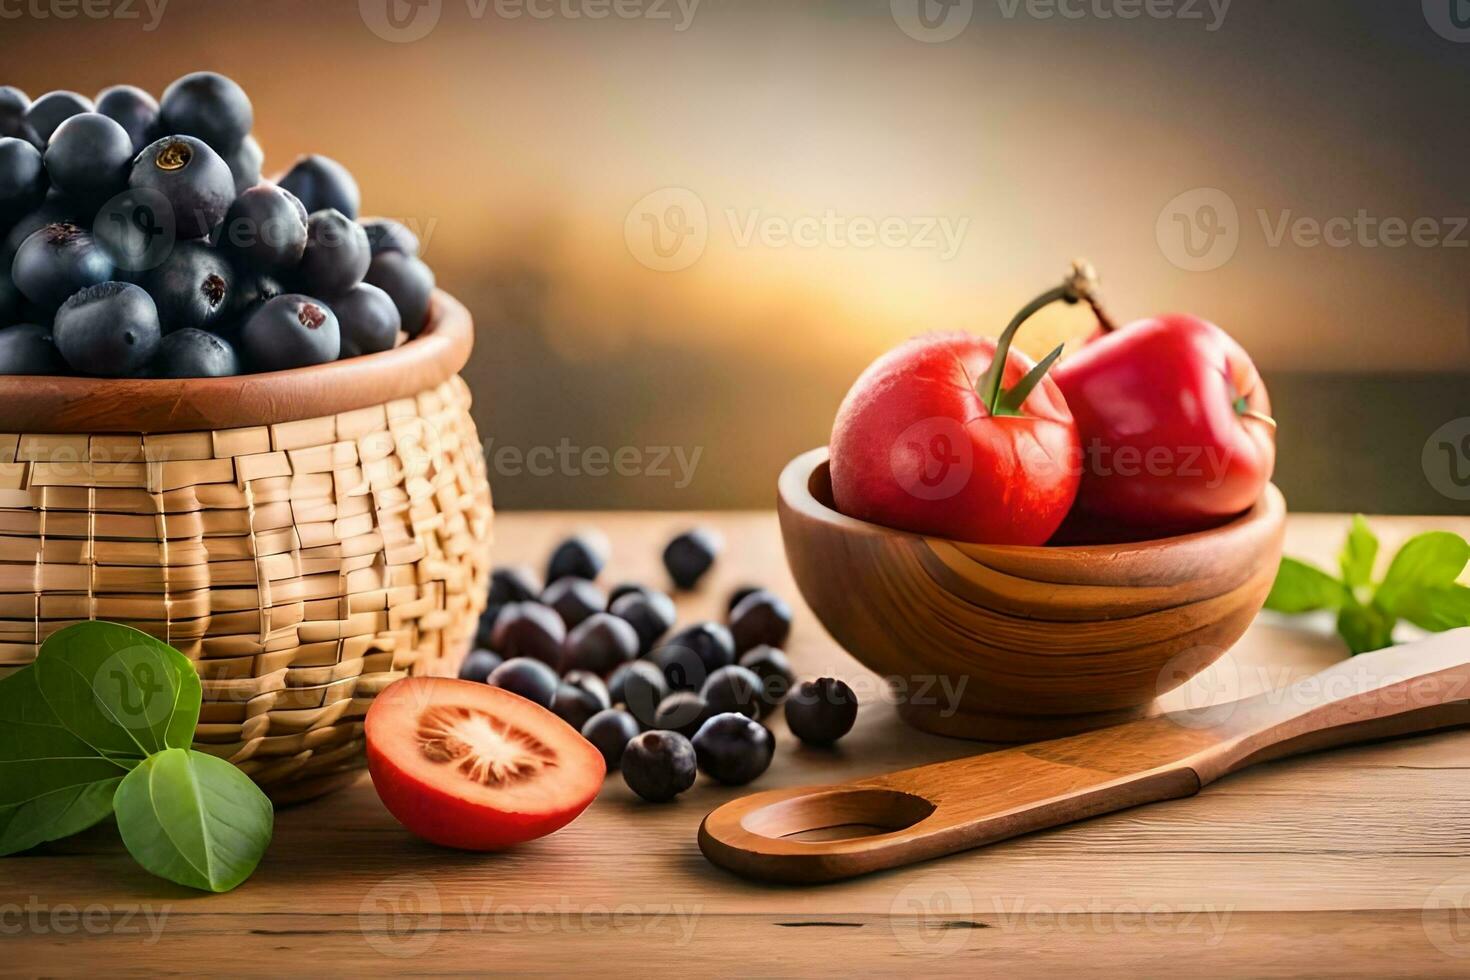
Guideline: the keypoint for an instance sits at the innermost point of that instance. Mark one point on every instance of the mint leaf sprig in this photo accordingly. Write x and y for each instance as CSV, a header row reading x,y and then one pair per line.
x,y
1419,587
102,723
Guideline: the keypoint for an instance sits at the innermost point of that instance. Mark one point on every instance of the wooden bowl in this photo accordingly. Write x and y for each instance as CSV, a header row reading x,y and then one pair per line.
x,y
306,537
1008,643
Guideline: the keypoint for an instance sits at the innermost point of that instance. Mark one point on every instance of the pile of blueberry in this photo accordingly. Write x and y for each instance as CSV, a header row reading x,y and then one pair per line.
x,y
659,706
139,240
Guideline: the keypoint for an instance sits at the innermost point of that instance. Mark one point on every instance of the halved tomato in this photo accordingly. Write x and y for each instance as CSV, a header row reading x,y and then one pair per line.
x,y
476,767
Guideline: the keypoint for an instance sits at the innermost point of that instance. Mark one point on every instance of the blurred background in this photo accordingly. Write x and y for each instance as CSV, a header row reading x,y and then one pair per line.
x,y
684,226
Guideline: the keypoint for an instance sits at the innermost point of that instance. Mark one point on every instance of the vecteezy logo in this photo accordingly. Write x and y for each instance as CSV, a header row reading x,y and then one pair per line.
x,y
1446,459
137,229
667,230
400,917
128,687
932,21
1450,19
1199,230
400,21
940,906
933,458
1210,685
1446,916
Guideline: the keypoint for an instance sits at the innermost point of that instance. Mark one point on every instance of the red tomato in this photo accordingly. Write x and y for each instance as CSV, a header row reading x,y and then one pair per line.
x,y
476,767
915,448
1175,424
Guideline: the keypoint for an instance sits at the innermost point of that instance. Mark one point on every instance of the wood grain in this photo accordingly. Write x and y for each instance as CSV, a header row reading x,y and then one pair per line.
x,y
1039,642
1335,864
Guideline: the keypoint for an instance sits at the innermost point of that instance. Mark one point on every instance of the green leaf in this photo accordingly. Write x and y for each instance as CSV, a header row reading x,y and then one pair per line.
x,y
1300,587
1365,628
1358,554
1426,561
119,690
52,784
1437,609
194,819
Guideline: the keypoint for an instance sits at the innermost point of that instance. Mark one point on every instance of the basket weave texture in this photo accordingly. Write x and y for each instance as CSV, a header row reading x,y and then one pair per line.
x,y
302,566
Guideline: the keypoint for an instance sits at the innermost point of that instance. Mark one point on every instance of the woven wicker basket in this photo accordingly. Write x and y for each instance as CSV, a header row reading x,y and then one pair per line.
x,y
305,537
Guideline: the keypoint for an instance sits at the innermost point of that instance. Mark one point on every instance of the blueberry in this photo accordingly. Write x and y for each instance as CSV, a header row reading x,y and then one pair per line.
x,y
89,156
711,642
734,749
622,589
479,664
582,555
323,183
193,353
56,261
57,208
512,583
735,689
658,766
409,282
210,106
290,331
610,732
529,629
738,595
191,177
13,98
485,629
574,599
336,256
820,712
245,162
600,643
28,349
683,712
368,319
529,678
13,124
387,235
109,330
640,686
651,613
23,179
592,683
10,300
762,619
265,230
134,110
53,109
252,292
576,703
690,555
774,670
193,287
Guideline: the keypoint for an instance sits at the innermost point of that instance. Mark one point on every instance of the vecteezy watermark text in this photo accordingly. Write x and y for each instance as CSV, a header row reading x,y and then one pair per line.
x,y
566,459
37,918
88,9
935,21
404,21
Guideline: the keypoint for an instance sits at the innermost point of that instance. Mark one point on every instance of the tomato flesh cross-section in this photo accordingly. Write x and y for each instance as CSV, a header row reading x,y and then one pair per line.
x,y
476,767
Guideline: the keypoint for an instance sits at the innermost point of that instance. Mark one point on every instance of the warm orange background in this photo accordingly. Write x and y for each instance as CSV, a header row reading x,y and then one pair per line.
x,y
517,147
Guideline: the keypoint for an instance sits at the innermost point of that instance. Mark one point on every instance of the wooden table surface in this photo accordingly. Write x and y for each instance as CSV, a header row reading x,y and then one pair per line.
x,y
1350,863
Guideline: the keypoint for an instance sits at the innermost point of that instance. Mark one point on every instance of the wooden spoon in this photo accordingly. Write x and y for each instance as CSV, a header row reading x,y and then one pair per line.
x,y
939,809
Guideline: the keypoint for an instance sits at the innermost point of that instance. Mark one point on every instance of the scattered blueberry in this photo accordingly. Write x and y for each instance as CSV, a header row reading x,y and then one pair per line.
x,y
576,703
108,330
57,261
529,629
134,110
651,613
658,765
512,583
193,287
820,712
529,678
323,183
28,349
368,319
387,235
479,665
574,599
690,555
290,331
485,631
601,643
610,732
592,683
761,619
738,595
336,256
683,712
53,109
193,353
265,230
191,177
640,686
622,589
734,749
582,556
23,179
210,106
711,642
411,284
774,670
735,688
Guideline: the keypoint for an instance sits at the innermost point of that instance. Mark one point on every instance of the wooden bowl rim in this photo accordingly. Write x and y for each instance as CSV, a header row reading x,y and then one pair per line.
x,y
794,488
45,405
